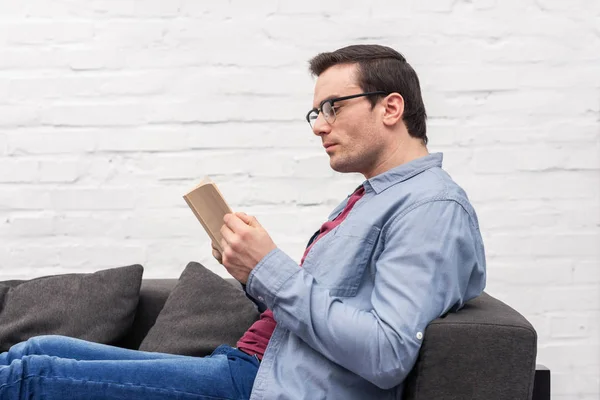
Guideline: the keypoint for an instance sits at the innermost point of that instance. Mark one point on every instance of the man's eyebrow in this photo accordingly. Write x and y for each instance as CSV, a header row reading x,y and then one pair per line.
x,y
331,96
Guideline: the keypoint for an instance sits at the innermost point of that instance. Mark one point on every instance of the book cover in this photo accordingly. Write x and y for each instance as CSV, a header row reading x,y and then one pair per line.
x,y
209,207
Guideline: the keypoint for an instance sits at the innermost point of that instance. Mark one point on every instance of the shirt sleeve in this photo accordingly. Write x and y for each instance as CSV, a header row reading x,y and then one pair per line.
x,y
431,261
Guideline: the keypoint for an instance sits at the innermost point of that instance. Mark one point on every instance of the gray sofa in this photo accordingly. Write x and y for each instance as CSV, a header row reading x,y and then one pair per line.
x,y
486,351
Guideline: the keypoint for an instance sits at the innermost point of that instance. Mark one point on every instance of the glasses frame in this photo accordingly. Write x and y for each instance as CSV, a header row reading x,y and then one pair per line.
x,y
319,109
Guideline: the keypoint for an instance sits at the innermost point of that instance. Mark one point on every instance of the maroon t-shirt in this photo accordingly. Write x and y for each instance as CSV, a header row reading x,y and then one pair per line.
x,y
256,338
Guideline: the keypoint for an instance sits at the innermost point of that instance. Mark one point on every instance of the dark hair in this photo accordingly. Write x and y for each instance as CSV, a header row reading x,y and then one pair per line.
x,y
381,68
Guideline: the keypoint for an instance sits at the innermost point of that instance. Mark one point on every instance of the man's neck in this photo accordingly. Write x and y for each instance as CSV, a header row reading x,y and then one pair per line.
x,y
403,153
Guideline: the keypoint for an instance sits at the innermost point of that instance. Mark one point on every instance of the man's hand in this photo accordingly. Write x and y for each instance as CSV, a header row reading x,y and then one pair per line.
x,y
245,242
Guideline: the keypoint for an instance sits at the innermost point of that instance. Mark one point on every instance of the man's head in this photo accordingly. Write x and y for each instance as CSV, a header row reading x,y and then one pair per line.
x,y
385,119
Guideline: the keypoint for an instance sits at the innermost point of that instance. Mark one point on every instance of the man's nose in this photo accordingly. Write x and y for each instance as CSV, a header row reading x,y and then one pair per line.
x,y
320,126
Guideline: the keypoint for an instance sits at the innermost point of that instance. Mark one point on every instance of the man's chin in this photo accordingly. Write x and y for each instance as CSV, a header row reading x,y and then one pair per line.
x,y
341,167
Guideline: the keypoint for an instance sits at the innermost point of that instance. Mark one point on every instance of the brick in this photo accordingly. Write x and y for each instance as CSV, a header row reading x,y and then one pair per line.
x,y
13,116
45,32
230,108
581,185
94,198
50,141
544,244
17,170
448,132
580,298
558,214
30,58
583,386
548,157
578,325
27,225
586,271
92,115
24,197
96,256
146,139
60,171
3,145
293,135
469,79
531,273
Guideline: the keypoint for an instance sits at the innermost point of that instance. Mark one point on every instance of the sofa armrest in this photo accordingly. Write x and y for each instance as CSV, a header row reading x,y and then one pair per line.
x,y
485,351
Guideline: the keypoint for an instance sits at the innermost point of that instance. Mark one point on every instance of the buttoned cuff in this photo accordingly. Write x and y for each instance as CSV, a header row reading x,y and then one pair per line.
x,y
269,275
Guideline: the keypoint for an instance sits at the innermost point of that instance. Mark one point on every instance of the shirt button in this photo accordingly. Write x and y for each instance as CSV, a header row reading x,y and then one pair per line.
x,y
261,298
419,335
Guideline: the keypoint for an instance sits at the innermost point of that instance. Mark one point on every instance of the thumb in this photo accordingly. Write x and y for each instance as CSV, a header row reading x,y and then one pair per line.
x,y
248,219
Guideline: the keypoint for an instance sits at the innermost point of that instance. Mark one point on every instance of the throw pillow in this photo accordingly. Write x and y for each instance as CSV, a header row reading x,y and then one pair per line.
x,y
98,307
202,312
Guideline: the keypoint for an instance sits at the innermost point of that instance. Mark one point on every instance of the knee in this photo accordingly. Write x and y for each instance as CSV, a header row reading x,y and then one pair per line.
x,y
39,344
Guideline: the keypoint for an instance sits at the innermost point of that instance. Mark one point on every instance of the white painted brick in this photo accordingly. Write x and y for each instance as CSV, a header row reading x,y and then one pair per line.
x,y
295,134
96,198
574,325
469,79
580,185
60,170
451,132
547,157
586,271
50,141
45,32
3,145
107,114
151,139
12,115
584,386
24,198
29,58
542,243
16,170
583,298
93,255
28,88
546,272
534,214
26,225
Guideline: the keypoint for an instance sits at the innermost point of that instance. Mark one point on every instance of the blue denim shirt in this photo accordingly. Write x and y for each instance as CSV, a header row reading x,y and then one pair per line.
x,y
351,320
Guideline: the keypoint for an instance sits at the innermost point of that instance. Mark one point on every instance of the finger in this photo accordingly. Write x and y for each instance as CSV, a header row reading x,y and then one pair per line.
x,y
217,255
247,219
226,234
234,223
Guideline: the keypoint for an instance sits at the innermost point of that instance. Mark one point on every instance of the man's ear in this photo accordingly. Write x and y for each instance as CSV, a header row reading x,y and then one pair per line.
x,y
393,109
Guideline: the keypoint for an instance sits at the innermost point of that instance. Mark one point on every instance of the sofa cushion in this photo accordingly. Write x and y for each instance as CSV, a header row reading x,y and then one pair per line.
x,y
99,307
202,312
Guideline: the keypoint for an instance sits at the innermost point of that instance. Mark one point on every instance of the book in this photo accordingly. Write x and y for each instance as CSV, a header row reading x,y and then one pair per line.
x,y
209,206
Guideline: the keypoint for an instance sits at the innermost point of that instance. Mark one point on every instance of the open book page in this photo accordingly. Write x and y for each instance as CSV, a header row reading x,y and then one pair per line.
x,y
209,206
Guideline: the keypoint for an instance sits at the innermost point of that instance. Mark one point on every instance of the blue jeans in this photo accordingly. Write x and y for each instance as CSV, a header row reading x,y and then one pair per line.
x,y
58,367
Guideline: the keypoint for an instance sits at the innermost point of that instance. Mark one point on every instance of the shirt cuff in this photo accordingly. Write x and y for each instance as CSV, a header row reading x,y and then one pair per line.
x,y
269,275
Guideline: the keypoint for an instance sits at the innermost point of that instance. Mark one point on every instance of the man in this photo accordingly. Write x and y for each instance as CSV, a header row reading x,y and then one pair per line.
x,y
348,322
404,249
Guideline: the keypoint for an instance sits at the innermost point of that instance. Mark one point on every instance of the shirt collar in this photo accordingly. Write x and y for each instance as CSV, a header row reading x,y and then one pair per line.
x,y
403,172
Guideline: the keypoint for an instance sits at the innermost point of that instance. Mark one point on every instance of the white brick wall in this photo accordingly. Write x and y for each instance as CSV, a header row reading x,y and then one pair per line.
x,y
110,110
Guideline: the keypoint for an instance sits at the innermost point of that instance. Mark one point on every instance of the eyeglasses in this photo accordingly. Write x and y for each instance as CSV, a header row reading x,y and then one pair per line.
x,y
326,107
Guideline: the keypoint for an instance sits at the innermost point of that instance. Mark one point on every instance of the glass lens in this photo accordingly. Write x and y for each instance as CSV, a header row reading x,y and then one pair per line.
x,y
328,112
312,117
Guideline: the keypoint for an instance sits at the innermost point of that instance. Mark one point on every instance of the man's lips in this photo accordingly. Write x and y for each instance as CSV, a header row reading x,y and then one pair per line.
x,y
326,145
